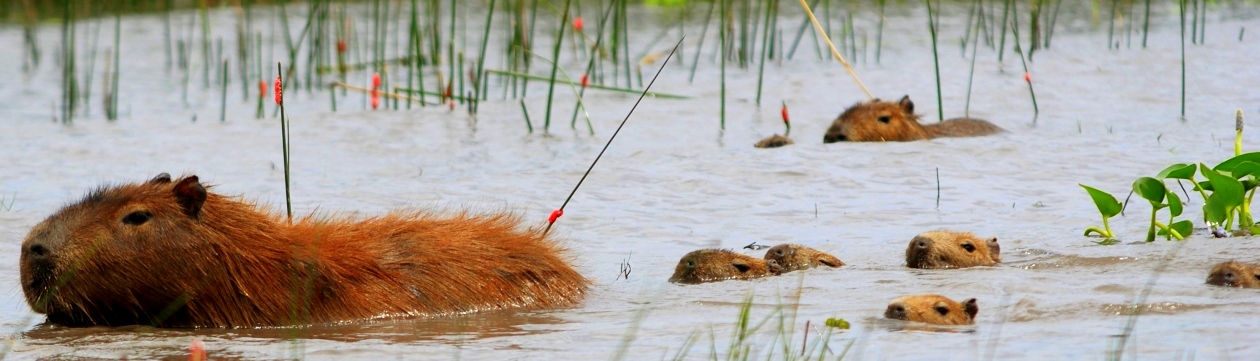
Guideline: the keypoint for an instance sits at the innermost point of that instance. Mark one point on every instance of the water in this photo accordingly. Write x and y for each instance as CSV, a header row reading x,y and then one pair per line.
x,y
672,183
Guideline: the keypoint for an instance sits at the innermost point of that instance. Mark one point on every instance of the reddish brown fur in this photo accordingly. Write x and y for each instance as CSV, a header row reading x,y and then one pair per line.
x,y
948,249
774,141
171,254
933,309
712,265
1235,274
881,121
793,257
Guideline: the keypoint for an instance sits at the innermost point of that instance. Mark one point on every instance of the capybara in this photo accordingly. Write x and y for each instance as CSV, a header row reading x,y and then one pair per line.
x,y
933,309
712,265
881,121
794,257
169,253
949,249
774,141
1235,274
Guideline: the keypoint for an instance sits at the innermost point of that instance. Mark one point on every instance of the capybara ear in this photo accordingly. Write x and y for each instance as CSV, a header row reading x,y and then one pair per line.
x,y
191,195
906,105
970,307
829,260
162,178
995,251
742,268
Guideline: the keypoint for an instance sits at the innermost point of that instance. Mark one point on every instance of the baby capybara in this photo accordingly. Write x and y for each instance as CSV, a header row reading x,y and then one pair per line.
x,y
794,257
712,265
169,253
933,309
881,121
949,249
1235,274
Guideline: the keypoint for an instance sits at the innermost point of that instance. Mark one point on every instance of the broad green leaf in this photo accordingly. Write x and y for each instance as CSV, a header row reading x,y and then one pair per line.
x,y
1214,210
1245,169
1229,164
1174,204
1150,188
1204,185
1183,227
1250,183
1107,204
1225,189
1177,171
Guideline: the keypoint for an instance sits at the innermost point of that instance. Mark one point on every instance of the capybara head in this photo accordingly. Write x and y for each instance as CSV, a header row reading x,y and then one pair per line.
x,y
877,121
96,256
774,141
1235,274
712,265
933,309
793,257
948,249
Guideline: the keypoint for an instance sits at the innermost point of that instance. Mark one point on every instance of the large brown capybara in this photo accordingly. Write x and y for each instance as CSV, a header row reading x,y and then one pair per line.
x,y
933,309
795,257
170,254
949,249
881,121
1235,274
712,265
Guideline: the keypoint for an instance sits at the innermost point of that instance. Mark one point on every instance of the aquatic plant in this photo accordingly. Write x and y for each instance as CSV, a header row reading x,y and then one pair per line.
x,y
1108,207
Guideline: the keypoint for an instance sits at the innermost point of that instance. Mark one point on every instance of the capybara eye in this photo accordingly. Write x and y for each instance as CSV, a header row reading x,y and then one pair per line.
x,y
941,309
969,247
885,119
691,264
137,218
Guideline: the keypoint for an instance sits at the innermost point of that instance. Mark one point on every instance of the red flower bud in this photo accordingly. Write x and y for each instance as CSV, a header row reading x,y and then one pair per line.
x,y
452,105
279,91
586,81
1027,77
785,112
555,215
577,23
341,46
262,88
376,80
376,94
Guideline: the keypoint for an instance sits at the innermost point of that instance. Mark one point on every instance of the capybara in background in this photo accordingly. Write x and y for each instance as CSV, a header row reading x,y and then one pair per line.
x,y
712,265
949,249
170,254
774,141
1235,274
933,309
881,121
793,257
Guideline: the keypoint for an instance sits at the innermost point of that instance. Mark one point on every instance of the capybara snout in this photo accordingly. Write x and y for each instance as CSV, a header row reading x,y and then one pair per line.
x,y
1235,274
949,249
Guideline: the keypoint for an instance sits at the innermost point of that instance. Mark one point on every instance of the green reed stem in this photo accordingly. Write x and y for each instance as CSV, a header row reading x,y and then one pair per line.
x,y
1019,51
481,60
590,67
765,44
703,31
223,93
524,111
284,143
722,61
940,108
555,64
1182,7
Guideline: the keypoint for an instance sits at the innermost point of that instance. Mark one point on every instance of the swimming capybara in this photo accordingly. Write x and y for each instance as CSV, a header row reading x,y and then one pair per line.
x,y
881,121
933,309
1235,274
169,253
793,257
712,265
774,141
949,249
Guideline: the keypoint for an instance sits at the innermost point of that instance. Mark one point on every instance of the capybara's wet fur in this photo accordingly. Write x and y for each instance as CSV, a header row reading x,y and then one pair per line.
x,y
933,309
169,253
794,257
1235,274
774,141
712,265
949,249
882,121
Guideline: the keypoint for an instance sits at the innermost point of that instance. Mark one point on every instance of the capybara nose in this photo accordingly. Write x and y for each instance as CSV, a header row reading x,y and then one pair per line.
x,y
922,244
896,312
38,252
832,138
1229,277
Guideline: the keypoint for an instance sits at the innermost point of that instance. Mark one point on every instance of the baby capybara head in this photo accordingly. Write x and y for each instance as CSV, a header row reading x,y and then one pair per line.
x,y
95,257
948,249
793,257
877,121
933,309
1235,274
712,265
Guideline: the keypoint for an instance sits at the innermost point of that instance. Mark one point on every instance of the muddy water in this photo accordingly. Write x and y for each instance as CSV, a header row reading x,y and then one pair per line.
x,y
673,182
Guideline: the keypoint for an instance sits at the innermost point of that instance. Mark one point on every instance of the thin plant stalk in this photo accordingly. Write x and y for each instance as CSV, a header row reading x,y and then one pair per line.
x,y
765,41
481,60
525,112
722,62
703,30
1027,78
284,140
818,27
555,64
940,108
1182,6
590,66
223,94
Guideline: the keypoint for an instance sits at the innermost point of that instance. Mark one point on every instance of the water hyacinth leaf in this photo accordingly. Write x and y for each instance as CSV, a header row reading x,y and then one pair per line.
x,y
1177,171
1247,168
1151,189
1229,164
1174,204
1183,227
1204,185
1225,189
1107,204
1214,210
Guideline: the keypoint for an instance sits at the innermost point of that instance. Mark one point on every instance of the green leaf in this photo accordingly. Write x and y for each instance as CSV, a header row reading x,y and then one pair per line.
x,y
1177,171
1183,227
1174,204
1214,212
1107,204
1150,188
1229,164
1245,169
1108,242
1225,189
1204,185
